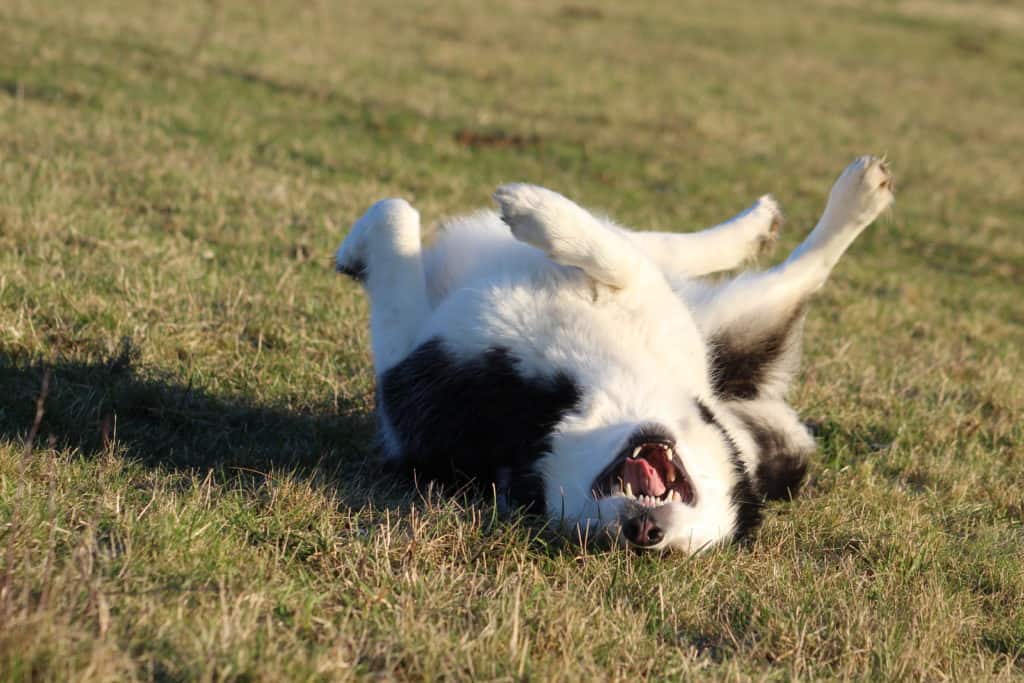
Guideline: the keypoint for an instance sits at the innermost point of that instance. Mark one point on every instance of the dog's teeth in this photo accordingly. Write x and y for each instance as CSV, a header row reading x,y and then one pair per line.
x,y
629,490
671,474
636,452
673,497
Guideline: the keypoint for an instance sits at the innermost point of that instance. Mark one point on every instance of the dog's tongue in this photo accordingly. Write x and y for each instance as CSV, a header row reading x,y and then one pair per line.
x,y
643,477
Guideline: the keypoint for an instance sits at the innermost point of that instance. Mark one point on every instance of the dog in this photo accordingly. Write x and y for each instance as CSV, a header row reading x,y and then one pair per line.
x,y
594,374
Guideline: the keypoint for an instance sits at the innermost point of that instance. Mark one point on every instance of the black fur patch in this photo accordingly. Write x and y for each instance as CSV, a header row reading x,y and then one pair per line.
x,y
738,369
705,413
780,471
356,271
460,422
781,477
748,506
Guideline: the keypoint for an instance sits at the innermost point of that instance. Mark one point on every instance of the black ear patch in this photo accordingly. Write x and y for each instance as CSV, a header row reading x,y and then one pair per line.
x,y
476,421
743,361
782,464
780,478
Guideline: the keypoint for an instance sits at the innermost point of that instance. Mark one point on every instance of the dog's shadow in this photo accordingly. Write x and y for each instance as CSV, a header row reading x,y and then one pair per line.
x,y
111,406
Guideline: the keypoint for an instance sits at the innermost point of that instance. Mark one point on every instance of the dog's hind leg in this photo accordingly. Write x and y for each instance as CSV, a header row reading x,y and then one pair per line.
x,y
572,236
723,247
383,252
753,321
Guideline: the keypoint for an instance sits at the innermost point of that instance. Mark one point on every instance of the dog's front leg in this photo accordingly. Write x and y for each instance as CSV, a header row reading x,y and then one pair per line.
x,y
382,251
572,236
723,247
862,192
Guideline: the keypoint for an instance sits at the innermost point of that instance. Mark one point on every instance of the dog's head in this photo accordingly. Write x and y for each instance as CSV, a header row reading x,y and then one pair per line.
x,y
660,469
687,479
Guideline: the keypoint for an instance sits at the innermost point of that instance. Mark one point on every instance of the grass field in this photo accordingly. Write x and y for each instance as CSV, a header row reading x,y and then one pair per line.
x,y
186,482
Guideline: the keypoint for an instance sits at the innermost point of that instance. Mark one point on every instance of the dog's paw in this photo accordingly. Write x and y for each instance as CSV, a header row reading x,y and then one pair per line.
x,y
352,256
863,191
771,221
537,216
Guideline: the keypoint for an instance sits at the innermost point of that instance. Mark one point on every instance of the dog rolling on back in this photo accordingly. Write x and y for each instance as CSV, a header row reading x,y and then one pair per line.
x,y
590,372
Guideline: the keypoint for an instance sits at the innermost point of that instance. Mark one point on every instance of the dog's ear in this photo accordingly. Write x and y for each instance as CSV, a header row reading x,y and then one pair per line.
x,y
782,445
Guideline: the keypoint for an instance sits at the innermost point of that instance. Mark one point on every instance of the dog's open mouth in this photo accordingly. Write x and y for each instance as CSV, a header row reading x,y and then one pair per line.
x,y
649,472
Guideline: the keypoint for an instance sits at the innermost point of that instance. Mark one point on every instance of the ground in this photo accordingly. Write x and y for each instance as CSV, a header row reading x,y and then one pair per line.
x,y
194,497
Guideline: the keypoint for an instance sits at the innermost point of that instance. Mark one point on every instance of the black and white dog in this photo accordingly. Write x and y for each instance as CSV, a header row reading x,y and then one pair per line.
x,y
587,371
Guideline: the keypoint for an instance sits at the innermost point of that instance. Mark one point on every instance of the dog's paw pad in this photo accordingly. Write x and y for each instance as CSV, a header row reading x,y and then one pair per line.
x,y
532,212
768,226
353,268
767,238
879,175
519,200
864,189
769,205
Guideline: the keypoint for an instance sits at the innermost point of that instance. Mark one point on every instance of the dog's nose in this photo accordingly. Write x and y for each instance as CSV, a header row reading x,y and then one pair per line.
x,y
642,531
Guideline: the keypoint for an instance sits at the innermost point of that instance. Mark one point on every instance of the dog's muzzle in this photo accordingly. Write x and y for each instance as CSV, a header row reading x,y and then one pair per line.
x,y
650,474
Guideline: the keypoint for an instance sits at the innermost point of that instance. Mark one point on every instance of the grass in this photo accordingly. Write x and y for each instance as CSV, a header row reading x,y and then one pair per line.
x,y
198,500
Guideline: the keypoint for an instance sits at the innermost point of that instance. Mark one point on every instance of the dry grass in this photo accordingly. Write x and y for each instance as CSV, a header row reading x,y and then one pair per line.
x,y
197,503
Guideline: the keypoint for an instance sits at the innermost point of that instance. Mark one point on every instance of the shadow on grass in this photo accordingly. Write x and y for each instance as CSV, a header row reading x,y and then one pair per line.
x,y
87,405
161,423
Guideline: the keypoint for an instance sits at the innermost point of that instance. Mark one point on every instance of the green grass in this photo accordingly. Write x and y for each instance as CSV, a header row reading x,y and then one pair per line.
x,y
199,500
